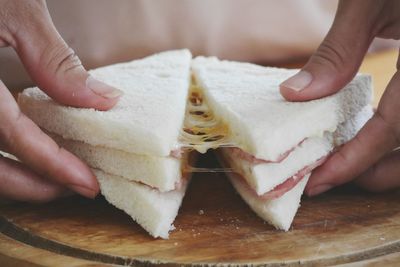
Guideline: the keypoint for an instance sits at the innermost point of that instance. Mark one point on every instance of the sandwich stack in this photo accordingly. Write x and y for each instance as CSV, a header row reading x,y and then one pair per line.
x,y
137,149
278,143
129,147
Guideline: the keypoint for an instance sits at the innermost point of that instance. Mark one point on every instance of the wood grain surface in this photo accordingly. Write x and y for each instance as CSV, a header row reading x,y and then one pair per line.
x,y
345,226
214,226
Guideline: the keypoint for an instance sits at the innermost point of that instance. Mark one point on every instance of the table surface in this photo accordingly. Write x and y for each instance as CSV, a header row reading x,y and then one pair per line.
x,y
22,252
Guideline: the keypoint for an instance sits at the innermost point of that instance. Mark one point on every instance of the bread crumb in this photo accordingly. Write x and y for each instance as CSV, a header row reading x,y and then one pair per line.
x,y
382,238
201,212
176,243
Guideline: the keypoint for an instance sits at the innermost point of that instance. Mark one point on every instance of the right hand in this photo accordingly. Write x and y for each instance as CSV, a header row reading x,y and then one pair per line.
x,y
45,171
372,157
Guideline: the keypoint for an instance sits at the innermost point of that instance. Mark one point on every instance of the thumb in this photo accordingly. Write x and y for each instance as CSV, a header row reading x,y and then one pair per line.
x,y
337,59
53,65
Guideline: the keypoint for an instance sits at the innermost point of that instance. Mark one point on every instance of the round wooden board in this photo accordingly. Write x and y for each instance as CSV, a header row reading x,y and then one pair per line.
x,y
214,226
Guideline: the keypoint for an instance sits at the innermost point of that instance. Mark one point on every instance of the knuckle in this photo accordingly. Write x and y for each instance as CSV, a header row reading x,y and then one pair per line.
x,y
8,19
10,136
370,181
62,59
15,16
391,128
373,171
343,161
336,168
333,54
7,28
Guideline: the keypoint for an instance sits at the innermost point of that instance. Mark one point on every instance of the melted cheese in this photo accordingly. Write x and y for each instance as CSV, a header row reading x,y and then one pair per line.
x,y
201,129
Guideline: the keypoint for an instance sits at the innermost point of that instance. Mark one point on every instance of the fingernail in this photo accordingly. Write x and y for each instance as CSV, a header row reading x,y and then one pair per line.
x,y
299,81
84,191
316,190
102,89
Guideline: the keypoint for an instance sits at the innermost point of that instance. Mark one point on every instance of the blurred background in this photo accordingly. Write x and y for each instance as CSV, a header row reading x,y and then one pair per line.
x,y
277,33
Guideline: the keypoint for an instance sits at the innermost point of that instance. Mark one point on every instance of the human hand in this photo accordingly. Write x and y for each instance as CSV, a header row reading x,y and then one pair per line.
x,y
46,170
369,158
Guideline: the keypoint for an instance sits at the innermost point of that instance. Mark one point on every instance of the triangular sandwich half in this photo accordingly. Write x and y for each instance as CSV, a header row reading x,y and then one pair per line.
x,y
279,205
132,146
278,143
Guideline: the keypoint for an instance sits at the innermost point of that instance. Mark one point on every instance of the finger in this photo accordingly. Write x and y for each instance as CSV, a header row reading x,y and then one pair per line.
x,y
380,135
386,173
24,139
338,58
52,64
20,183
373,141
382,176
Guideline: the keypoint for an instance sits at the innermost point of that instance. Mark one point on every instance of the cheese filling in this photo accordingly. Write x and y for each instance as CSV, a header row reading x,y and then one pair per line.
x,y
201,129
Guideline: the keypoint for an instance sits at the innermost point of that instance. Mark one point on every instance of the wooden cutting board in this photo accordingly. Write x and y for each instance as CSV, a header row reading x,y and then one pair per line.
x,y
345,226
214,226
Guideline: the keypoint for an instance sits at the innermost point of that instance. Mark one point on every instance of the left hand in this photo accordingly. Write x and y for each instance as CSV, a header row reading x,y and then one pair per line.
x,y
45,170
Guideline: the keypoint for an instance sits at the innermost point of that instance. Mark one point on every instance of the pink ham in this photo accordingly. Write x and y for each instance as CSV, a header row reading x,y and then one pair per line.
x,y
237,152
287,185
178,184
176,153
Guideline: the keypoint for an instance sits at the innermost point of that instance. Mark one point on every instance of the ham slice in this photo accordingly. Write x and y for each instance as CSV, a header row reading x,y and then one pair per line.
x,y
176,153
237,152
288,184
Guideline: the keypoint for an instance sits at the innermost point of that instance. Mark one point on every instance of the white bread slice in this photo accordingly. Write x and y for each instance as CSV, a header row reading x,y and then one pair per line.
x,y
264,177
279,212
350,128
262,123
148,117
153,210
162,173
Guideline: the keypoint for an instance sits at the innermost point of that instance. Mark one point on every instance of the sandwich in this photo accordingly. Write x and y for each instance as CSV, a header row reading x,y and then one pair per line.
x,y
130,147
276,144
139,150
